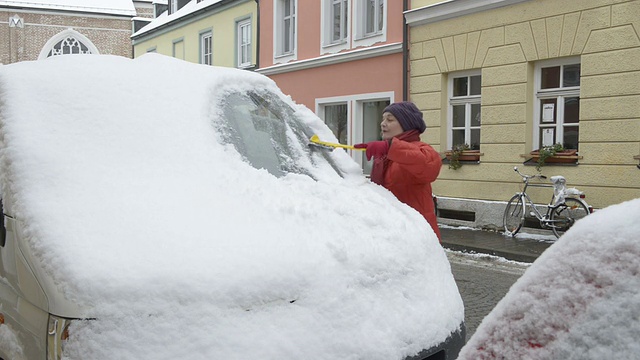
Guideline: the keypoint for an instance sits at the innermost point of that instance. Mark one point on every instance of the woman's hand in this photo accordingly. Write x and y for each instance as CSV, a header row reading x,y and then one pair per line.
x,y
375,149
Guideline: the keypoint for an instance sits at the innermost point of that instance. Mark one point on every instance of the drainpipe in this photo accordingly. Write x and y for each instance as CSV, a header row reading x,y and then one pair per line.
x,y
258,36
405,53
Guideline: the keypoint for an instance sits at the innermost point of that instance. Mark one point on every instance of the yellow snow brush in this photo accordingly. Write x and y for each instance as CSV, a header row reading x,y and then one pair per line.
x,y
316,140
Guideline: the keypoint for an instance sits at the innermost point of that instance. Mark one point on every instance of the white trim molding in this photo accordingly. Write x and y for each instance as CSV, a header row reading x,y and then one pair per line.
x,y
451,9
333,59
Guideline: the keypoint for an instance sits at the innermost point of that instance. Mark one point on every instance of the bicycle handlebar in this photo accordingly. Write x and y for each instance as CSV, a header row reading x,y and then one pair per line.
x,y
527,177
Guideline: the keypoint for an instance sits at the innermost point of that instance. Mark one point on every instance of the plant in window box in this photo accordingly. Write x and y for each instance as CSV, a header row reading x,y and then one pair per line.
x,y
461,152
555,153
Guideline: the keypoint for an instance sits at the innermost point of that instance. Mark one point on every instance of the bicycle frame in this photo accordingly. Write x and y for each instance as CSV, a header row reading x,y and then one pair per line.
x,y
560,209
544,219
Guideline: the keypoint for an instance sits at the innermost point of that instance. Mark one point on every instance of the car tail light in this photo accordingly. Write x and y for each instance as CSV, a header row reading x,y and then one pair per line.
x,y
57,334
583,196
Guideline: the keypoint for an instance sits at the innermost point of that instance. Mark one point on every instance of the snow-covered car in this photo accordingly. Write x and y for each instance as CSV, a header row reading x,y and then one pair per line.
x,y
157,209
579,300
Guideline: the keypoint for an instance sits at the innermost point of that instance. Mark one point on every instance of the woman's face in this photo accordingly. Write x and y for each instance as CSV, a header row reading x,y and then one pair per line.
x,y
390,126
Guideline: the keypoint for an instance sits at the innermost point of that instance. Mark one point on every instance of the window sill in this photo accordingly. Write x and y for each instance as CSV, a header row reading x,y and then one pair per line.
x,y
467,155
558,159
470,157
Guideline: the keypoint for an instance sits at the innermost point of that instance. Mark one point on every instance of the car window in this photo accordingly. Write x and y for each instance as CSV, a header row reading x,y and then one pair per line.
x,y
268,134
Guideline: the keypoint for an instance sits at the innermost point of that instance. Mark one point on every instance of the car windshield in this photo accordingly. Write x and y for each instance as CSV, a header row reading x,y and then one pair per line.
x,y
268,134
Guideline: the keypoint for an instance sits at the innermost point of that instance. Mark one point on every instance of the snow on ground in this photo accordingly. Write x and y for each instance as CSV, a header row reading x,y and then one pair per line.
x,y
579,300
180,249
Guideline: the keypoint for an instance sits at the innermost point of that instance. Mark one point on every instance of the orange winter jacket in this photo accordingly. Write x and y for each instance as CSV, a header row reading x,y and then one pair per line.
x,y
410,168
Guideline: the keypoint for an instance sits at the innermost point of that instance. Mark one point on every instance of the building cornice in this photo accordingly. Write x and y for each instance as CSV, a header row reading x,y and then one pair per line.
x,y
333,59
452,9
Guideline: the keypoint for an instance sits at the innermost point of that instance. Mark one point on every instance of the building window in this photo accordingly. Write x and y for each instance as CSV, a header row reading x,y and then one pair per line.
x,y
464,109
243,34
66,42
373,15
557,103
335,116
69,45
339,14
285,37
206,48
178,49
369,22
173,7
355,119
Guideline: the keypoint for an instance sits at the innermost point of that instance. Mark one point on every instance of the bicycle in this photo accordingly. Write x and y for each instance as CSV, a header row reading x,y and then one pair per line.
x,y
565,208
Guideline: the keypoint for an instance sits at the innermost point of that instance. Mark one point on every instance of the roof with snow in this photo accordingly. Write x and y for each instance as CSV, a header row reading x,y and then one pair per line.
x,y
112,7
192,7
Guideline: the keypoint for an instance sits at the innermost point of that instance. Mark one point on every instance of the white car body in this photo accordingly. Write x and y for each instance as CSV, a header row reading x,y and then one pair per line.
x,y
579,300
137,227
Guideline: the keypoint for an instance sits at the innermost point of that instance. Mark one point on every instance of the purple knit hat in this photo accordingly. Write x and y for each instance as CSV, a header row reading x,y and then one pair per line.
x,y
408,114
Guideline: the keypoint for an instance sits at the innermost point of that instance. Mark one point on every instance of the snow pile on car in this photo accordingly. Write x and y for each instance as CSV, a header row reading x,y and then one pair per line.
x,y
178,248
579,300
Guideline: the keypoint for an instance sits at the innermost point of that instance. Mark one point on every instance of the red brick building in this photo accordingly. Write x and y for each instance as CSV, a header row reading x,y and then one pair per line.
x,y
37,29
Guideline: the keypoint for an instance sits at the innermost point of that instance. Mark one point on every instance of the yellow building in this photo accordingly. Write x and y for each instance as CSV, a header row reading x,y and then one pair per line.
x,y
212,32
508,77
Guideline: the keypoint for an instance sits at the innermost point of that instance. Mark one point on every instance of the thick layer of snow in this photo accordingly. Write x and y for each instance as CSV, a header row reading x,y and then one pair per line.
x,y
114,7
181,249
579,300
165,18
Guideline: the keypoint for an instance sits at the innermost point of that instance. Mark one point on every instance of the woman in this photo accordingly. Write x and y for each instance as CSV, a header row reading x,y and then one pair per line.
x,y
402,163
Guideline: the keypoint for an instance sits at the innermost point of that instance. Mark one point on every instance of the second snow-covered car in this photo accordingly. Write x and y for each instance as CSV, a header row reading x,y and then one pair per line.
x,y
156,209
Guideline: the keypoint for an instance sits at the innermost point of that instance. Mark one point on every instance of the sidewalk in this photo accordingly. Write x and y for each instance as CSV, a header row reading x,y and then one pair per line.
x,y
524,247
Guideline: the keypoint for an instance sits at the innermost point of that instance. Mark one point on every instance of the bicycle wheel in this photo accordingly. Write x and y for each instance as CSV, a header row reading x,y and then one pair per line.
x,y
513,215
565,215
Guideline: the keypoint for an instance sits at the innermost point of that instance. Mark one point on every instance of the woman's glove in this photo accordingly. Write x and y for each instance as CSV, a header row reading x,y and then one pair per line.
x,y
375,149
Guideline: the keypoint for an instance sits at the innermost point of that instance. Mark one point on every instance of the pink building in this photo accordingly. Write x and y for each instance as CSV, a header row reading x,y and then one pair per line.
x,y
344,59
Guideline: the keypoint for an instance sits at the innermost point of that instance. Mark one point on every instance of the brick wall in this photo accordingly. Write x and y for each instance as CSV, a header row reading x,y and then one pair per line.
x,y
110,35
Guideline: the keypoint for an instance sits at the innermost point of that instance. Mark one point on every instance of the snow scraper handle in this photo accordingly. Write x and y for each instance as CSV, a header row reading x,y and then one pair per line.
x,y
316,140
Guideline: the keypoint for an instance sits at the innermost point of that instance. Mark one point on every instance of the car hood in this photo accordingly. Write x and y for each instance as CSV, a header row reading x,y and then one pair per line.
x,y
133,206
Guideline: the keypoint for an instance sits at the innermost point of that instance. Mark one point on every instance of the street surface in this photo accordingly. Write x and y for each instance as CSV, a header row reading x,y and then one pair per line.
x,y
483,280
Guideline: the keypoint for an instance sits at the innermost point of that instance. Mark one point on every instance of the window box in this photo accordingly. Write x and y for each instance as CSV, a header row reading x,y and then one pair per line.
x,y
465,155
564,156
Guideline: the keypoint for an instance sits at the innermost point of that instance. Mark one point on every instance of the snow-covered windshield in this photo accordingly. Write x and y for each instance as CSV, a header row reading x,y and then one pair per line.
x,y
266,132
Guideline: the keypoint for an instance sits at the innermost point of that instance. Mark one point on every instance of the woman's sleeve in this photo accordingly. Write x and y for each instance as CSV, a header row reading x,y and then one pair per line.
x,y
418,159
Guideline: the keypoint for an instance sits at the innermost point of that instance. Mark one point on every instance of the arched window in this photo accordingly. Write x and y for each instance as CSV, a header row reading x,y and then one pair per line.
x,y
67,42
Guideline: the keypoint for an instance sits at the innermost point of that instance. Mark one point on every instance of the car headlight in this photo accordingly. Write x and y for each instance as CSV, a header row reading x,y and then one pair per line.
x,y
57,334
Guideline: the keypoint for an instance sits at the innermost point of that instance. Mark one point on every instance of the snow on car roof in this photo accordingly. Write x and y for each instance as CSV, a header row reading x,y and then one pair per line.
x,y
114,7
178,246
579,300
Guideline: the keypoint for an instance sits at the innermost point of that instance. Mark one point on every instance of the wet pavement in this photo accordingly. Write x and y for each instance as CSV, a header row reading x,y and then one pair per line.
x,y
525,247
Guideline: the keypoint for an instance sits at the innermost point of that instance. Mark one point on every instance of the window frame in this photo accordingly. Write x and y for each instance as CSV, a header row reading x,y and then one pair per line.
x,y
559,94
173,6
362,37
240,61
204,35
355,121
466,100
329,45
281,54
174,47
